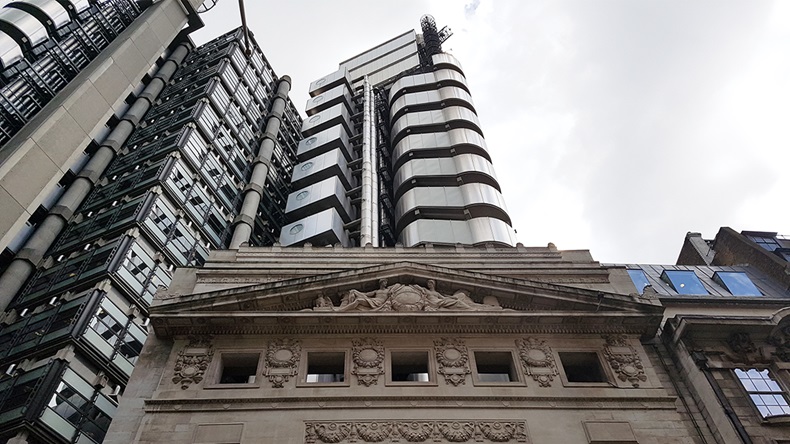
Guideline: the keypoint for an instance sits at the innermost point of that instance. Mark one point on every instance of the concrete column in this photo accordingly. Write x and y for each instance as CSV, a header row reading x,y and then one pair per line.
x,y
37,245
254,191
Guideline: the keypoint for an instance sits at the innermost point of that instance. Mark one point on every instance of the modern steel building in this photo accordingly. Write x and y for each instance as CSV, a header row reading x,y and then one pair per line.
x,y
394,153
70,69
199,159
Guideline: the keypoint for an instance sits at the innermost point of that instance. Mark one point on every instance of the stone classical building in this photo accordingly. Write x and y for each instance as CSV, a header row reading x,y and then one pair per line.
x,y
734,352
424,344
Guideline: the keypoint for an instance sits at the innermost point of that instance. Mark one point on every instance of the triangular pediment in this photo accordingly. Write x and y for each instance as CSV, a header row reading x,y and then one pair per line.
x,y
458,294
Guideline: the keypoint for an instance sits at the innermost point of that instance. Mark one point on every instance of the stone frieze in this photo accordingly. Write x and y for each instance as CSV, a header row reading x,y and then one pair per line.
x,y
398,431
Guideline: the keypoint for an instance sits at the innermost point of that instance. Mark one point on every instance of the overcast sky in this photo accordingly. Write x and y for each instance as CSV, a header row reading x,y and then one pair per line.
x,y
614,126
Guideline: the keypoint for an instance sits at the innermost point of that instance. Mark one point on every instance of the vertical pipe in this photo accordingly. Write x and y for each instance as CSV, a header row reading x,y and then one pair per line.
x,y
374,157
365,229
37,245
254,190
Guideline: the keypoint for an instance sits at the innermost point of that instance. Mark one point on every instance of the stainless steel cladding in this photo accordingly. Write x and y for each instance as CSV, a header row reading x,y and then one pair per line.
x,y
444,184
401,137
324,228
328,193
325,141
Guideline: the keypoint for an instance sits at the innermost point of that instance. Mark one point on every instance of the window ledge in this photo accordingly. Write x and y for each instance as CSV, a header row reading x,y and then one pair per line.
x,y
499,384
217,386
781,420
322,384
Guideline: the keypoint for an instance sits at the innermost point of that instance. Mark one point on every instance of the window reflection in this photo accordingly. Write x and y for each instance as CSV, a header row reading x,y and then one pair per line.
x,y
764,391
737,283
684,282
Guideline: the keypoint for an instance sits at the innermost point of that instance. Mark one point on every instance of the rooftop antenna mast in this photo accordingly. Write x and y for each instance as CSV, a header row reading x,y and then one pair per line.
x,y
208,5
432,39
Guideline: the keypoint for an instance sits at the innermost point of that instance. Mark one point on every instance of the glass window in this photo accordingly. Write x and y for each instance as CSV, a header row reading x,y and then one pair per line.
x,y
768,243
491,366
161,220
132,345
639,279
783,253
326,367
138,263
180,181
683,281
409,366
764,391
238,368
68,403
737,283
582,367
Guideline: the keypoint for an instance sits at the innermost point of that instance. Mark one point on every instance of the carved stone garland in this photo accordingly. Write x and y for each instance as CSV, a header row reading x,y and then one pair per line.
x,y
415,431
624,359
537,359
368,357
282,360
192,361
453,359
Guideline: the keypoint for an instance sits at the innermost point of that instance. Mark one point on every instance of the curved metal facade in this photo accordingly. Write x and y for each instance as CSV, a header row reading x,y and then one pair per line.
x,y
446,194
401,160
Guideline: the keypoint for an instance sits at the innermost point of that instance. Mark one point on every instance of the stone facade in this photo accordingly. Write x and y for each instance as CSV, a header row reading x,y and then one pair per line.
x,y
484,345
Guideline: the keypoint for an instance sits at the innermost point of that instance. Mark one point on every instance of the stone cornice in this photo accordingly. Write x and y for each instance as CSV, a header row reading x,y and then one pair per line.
x,y
311,323
540,263
734,301
299,293
410,402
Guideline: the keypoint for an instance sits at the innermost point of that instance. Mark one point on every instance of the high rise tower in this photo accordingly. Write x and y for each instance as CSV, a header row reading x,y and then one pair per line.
x,y
188,179
393,152
68,70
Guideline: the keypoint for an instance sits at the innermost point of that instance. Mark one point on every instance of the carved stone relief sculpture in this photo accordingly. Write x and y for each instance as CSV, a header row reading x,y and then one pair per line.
x,y
282,360
192,361
368,357
416,431
624,359
537,360
742,348
781,340
406,298
453,359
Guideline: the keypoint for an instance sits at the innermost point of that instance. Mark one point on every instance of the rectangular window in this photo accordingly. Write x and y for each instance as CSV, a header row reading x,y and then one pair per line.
x,y
639,279
495,366
764,391
326,367
737,283
684,282
582,367
409,366
238,368
767,241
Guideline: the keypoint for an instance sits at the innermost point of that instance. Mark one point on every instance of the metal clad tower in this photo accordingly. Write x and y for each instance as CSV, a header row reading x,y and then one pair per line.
x,y
394,153
187,180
